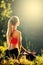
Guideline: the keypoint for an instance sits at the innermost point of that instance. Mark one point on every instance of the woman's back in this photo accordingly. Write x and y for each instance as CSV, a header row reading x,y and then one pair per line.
x,y
15,39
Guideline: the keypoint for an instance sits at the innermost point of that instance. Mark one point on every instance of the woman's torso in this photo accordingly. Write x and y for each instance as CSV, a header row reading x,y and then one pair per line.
x,y
14,41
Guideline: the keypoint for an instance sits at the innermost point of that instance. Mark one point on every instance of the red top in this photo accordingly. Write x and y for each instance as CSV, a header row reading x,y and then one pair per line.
x,y
13,40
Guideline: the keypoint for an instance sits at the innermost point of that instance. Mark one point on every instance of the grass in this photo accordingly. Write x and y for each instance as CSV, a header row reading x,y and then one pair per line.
x,y
21,61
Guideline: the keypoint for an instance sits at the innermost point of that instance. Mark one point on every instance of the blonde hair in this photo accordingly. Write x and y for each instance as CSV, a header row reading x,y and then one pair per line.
x,y
12,21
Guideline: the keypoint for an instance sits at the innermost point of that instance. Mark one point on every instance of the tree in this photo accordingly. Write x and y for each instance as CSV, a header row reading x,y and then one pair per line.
x,y
5,13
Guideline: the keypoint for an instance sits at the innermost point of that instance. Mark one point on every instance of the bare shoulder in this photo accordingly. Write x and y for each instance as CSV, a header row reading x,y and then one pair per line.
x,y
19,32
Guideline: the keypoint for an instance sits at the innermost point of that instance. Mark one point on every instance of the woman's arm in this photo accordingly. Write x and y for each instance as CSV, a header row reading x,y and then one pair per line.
x,y
8,40
20,45
23,49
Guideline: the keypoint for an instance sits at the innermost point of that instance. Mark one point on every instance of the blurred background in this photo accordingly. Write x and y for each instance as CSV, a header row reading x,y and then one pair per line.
x,y
30,13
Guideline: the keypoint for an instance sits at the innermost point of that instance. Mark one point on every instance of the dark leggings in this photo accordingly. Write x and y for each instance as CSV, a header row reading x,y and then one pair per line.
x,y
13,52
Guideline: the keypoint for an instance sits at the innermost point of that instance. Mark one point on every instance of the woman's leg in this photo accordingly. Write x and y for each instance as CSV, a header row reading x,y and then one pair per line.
x,y
7,53
14,52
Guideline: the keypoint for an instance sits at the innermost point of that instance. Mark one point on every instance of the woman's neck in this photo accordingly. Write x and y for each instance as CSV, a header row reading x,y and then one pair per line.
x,y
15,28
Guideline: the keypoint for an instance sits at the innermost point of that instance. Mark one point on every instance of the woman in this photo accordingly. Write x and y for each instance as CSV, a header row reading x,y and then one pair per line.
x,y
14,38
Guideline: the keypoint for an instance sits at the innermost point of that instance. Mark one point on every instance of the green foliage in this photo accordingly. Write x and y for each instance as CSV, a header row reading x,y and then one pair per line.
x,y
5,13
5,9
